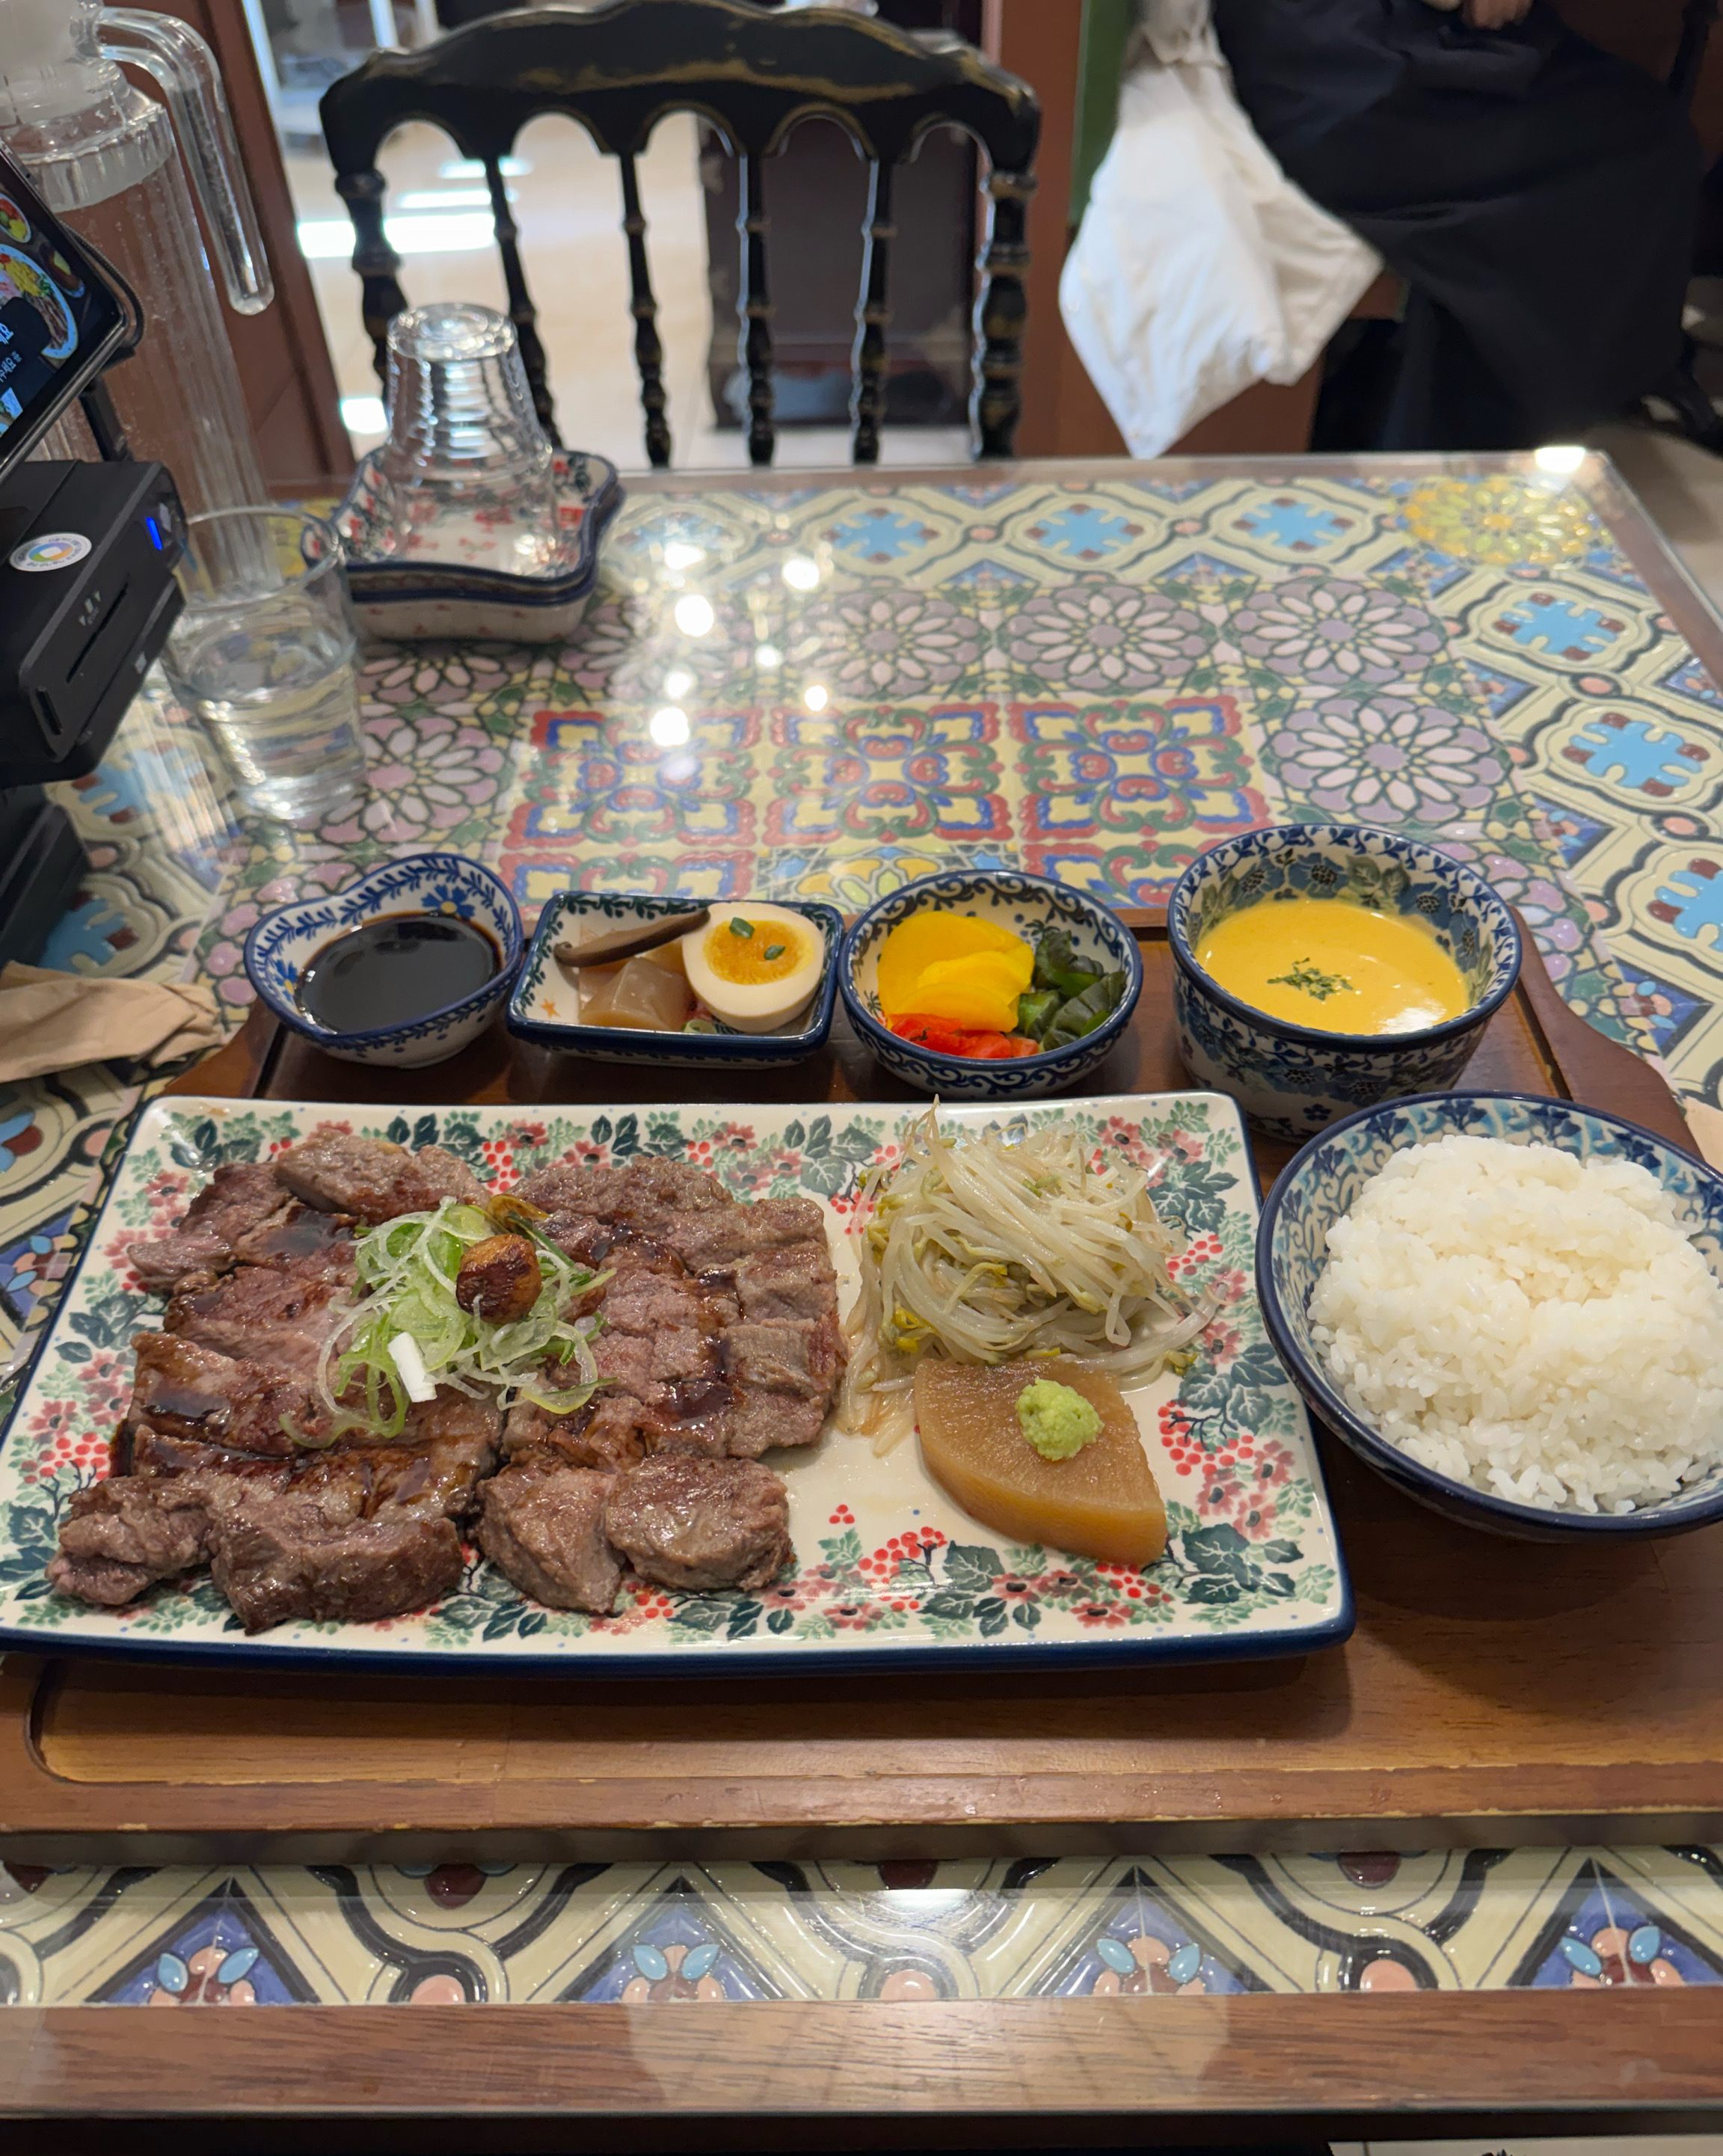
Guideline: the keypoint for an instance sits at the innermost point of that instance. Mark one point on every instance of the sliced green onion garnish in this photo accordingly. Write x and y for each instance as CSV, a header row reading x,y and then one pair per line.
x,y
408,1335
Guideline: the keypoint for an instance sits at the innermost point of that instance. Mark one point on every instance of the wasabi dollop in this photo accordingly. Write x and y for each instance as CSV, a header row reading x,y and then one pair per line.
x,y
1056,1420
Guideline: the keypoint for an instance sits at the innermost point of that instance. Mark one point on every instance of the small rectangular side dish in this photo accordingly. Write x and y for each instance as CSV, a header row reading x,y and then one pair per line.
x,y
887,1572
546,1006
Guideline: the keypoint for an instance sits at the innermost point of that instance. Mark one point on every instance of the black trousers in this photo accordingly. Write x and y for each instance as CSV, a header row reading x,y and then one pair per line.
x,y
1537,196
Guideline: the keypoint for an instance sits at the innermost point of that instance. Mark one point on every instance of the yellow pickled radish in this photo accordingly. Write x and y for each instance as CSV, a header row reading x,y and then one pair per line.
x,y
926,938
980,990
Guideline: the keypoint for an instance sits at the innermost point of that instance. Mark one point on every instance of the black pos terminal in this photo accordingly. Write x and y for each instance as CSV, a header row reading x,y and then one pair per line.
x,y
87,552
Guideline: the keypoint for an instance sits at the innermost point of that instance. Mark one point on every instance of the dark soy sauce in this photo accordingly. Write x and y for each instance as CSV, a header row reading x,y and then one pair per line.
x,y
392,971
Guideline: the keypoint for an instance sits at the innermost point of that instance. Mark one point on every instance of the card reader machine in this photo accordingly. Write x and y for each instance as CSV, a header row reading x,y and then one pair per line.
x,y
87,556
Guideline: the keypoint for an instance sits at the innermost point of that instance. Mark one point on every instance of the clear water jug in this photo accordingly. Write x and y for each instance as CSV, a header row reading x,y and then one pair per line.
x,y
104,156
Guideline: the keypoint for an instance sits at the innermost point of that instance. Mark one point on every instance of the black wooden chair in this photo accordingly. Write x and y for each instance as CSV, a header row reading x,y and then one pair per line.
x,y
1696,416
753,74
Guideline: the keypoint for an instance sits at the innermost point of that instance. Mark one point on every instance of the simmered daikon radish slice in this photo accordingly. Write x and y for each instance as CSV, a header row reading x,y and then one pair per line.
x,y
643,993
1101,1502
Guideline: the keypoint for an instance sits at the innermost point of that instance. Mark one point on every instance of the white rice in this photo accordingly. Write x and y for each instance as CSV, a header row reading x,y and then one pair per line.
x,y
1538,1325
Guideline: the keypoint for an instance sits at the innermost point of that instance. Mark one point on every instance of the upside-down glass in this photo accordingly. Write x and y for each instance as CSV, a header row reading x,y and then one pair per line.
x,y
467,468
263,655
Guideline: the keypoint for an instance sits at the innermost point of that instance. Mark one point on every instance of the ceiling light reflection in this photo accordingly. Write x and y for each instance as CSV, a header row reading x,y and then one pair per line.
x,y
799,573
767,655
693,614
668,728
680,555
814,697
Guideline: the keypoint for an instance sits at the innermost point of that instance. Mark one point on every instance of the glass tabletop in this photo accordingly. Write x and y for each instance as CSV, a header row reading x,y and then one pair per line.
x,y
822,686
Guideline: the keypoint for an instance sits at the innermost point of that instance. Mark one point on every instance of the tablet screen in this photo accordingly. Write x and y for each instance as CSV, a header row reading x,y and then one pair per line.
x,y
56,315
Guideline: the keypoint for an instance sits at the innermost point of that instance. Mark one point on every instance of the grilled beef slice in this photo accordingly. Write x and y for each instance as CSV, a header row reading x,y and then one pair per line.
x,y
187,1391
236,1200
714,1241
783,1376
300,1240
692,1524
157,1452
608,1432
372,1179
304,1553
261,1316
121,1535
442,1456
643,1195
785,1355
543,1526
788,1281
720,1329
440,1462
163,1517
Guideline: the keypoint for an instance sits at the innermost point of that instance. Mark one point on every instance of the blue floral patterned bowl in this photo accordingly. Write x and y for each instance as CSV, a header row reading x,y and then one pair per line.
x,y
1292,1079
284,942
1323,1181
1024,904
543,1006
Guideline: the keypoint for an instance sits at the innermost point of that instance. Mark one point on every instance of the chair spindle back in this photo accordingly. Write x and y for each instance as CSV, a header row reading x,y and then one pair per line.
x,y
753,74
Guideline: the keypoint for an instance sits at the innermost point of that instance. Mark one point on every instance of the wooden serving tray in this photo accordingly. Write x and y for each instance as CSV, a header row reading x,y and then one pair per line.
x,y
1480,1699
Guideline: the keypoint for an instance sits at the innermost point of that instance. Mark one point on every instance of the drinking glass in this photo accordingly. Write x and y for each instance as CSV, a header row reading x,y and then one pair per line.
x,y
263,655
467,470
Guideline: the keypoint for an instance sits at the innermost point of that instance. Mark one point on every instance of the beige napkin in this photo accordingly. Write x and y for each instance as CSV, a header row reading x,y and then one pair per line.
x,y
51,1021
1706,1125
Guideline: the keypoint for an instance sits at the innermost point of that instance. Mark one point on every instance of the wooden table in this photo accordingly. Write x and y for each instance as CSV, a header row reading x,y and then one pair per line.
x,y
1491,1694
989,2074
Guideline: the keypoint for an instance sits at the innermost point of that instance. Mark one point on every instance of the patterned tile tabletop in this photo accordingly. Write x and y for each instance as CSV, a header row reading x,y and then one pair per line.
x,y
663,1934
820,688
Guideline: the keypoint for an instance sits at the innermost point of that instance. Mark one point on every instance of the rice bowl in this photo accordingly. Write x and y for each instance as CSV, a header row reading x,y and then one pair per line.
x,y
1322,1184
1536,1324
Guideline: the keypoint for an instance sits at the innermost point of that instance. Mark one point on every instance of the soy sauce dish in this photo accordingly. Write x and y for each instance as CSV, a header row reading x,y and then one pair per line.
x,y
406,966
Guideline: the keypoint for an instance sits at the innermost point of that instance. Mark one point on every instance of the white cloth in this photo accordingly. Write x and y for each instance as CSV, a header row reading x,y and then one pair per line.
x,y
1199,268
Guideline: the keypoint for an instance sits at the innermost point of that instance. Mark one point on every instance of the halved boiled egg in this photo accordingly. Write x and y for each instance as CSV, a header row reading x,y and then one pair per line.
x,y
755,966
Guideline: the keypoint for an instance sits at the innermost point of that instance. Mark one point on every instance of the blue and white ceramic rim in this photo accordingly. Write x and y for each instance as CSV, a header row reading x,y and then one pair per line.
x,y
293,1013
899,904
1313,1381
1428,860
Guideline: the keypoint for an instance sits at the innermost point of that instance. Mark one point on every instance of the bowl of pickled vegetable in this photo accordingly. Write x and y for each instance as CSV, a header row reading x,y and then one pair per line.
x,y
989,984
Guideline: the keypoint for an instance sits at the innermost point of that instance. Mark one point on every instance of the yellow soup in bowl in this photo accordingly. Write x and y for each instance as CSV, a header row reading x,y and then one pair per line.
x,y
1339,968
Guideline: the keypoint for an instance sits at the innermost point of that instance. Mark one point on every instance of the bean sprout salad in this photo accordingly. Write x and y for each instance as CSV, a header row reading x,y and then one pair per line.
x,y
980,1249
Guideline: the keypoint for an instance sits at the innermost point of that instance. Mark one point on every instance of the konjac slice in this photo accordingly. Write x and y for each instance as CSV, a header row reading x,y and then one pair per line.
x,y
1102,1502
643,994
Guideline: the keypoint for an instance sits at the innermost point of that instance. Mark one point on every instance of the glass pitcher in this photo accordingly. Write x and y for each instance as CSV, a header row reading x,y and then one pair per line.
x,y
103,155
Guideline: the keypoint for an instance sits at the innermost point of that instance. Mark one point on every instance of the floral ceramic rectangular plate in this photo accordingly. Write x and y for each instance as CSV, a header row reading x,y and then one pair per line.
x,y
892,1574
